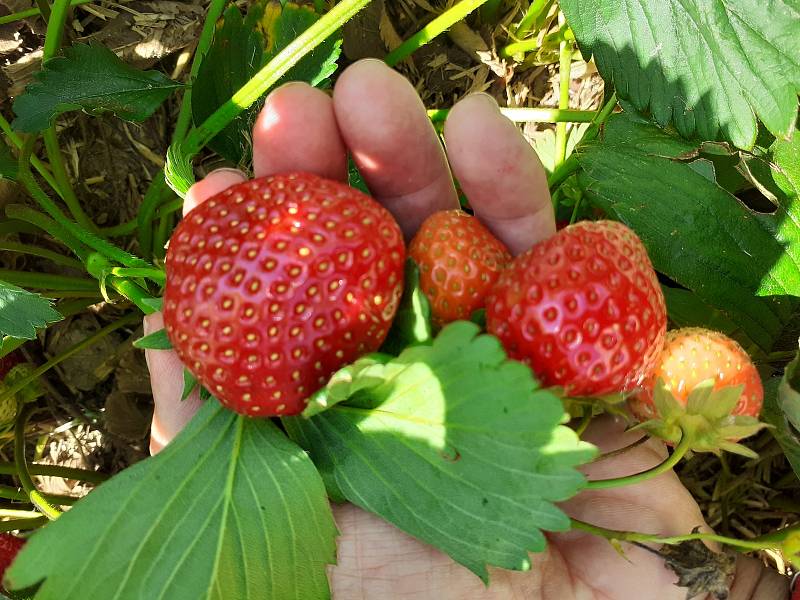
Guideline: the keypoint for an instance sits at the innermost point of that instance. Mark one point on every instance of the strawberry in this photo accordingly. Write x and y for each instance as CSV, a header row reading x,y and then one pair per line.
x,y
459,261
9,361
275,283
10,546
583,308
704,384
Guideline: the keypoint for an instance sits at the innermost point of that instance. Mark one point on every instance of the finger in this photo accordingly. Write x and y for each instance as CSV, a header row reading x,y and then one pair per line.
x,y
296,131
215,182
393,143
499,172
171,414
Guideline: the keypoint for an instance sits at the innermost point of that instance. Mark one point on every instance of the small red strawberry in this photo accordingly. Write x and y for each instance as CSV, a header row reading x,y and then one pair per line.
x,y
10,546
459,261
9,361
693,355
583,309
275,283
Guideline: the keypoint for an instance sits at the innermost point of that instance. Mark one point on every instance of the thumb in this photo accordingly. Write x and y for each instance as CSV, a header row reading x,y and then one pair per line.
x,y
171,414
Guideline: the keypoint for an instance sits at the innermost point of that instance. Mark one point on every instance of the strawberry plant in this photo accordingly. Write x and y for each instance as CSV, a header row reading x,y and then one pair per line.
x,y
449,379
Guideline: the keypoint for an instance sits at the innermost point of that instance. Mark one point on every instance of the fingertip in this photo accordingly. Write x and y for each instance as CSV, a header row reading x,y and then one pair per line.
x,y
215,182
499,172
297,131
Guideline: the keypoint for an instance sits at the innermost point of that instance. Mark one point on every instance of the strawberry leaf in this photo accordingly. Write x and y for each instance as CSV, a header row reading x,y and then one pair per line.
x,y
457,446
742,262
412,323
156,304
189,384
787,436
8,164
707,66
93,79
22,312
789,392
347,382
231,508
157,340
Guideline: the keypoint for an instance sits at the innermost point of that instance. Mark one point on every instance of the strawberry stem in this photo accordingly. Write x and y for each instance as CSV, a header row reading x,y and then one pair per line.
x,y
537,7
23,524
680,451
47,509
529,115
10,468
564,81
759,543
439,25
584,422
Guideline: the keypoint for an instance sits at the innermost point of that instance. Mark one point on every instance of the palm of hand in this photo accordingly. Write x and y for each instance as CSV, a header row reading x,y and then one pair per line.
x,y
377,116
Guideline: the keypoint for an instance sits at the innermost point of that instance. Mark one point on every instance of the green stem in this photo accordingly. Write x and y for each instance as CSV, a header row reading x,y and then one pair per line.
x,y
55,257
129,227
571,165
439,25
762,543
28,215
55,29
536,8
44,9
565,78
269,75
11,493
133,292
47,509
156,275
522,47
677,454
490,10
34,12
57,294
72,350
215,9
529,115
165,226
584,422
623,450
156,192
574,216
11,513
12,136
48,281
23,524
10,468
102,246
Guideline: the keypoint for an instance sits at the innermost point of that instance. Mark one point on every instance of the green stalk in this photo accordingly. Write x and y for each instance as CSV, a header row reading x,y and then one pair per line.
x,y
584,422
12,136
536,8
102,246
72,350
165,226
565,78
156,275
47,509
439,25
28,215
23,524
44,9
55,257
762,543
215,10
11,493
530,115
569,166
154,196
133,292
52,45
680,451
270,74
48,281
34,12
522,47
11,513
95,477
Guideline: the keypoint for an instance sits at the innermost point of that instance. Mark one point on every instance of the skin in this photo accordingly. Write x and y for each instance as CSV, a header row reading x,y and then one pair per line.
x,y
376,115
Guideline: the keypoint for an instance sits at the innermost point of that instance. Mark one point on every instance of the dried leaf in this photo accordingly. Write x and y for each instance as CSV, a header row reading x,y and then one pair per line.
x,y
700,569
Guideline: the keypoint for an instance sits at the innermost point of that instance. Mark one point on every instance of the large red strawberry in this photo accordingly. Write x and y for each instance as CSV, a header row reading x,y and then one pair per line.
x,y
10,545
459,261
704,385
275,283
583,308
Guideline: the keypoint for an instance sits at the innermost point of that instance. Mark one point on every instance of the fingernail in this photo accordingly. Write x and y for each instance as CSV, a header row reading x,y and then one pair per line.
x,y
151,323
486,98
229,170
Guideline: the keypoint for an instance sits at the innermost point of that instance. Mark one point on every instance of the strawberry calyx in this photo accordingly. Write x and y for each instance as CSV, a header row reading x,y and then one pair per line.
x,y
706,419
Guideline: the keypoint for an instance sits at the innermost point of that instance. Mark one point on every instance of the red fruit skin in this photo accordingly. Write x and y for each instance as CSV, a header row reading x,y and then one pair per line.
x,y
459,260
583,309
692,355
275,283
9,361
10,546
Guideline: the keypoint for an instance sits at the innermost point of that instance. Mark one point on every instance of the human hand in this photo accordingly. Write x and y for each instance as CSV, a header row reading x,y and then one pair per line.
x,y
376,115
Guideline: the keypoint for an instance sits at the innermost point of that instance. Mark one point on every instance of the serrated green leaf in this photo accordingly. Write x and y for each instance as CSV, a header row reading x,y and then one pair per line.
x,y
157,340
178,171
93,79
22,312
708,66
230,509
8,164
787,436
189,383
457,447
412,323
696,232
366,372
235,55
156,304
789,392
